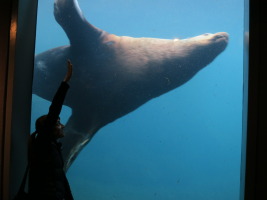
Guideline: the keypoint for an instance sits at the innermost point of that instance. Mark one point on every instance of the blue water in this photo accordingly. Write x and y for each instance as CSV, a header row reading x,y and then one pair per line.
x,y
183,145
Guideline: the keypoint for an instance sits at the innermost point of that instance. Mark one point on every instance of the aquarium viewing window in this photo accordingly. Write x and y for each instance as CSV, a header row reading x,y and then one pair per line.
x,y
157,106
184,144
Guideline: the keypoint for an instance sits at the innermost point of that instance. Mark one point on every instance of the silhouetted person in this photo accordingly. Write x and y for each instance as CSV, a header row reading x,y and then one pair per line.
x,y
47,179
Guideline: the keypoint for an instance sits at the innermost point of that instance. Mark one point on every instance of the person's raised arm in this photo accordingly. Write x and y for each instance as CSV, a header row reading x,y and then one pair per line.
x,y
58,100
69,72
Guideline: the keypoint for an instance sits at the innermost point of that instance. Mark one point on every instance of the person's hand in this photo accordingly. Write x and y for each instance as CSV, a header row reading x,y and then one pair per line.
x,y
69,72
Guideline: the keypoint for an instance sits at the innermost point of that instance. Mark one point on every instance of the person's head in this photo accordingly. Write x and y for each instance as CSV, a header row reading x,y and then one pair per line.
x,y
57,130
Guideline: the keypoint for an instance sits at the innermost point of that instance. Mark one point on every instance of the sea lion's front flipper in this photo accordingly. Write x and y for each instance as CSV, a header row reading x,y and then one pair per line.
x,y
70,17
75,138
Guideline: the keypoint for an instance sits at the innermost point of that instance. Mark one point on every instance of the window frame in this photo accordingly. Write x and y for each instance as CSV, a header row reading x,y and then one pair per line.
x,y
254,150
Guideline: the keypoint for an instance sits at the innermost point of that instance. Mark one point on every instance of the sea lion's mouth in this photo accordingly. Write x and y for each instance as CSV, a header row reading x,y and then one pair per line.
x,y
221,36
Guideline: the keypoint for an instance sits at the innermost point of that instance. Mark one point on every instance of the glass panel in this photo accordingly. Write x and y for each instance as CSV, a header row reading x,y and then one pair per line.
x,y
183,144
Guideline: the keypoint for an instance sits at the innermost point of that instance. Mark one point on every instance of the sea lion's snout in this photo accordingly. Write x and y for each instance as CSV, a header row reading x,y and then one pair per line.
x,y
221,36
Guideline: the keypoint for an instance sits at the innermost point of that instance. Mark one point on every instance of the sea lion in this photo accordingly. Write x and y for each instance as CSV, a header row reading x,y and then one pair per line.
x,y
114,75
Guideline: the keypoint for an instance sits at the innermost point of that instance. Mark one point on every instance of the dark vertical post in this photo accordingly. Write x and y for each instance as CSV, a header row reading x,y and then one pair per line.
x,y
7,45
245,98
256,157
18,22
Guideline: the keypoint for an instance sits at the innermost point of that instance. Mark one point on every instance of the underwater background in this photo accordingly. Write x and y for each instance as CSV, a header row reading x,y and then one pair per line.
x,y
183,145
